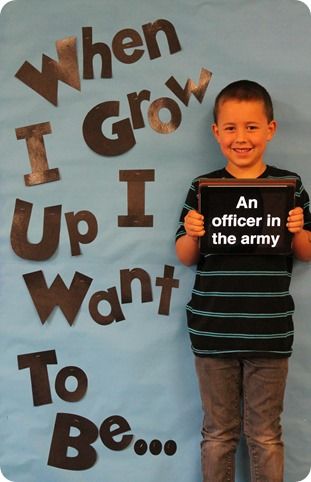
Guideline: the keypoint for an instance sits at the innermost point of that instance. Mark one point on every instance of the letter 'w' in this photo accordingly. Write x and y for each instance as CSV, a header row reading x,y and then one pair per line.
x,y
45,299
45,83
198,91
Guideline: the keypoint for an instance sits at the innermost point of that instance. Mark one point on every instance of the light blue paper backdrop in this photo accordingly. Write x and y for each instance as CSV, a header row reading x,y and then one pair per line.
x,y
141,368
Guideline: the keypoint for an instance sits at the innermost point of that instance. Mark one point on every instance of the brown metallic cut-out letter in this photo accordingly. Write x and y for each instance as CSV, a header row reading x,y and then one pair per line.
x,y
126,278
75,236
153,115
33,135
111,297
115,426
136,216
45,83
91,49
60,384
45,299
93,134
119,45
51,229
151,30
135,99
37,363
198,91
167,283
86,455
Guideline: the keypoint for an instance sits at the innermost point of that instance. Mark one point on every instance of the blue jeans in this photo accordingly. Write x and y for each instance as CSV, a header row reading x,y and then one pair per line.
x,y
260,382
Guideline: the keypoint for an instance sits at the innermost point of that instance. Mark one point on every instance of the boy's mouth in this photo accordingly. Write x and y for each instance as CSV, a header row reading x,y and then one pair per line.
x,y
242,150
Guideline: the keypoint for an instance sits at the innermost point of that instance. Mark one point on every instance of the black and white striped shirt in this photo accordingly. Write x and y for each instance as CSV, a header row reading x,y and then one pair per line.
x,y
240,304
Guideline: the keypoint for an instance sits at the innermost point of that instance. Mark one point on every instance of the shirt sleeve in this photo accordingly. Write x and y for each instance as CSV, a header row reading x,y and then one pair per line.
x,y
190,204
303,200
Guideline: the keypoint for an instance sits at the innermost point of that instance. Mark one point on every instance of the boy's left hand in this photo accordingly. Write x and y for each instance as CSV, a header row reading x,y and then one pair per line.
x,y
295,220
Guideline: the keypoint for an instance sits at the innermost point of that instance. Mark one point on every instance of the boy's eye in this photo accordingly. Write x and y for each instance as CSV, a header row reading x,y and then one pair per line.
x,y
252,128
229,128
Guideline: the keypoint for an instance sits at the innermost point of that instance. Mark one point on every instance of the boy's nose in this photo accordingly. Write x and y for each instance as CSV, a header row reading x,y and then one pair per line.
x,y
240,135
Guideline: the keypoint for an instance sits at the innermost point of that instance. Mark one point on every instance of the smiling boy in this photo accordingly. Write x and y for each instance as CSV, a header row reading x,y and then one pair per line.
x,y
240,312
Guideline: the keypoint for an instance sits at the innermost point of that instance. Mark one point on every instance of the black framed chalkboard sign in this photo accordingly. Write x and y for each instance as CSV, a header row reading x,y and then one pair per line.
x,y
246,216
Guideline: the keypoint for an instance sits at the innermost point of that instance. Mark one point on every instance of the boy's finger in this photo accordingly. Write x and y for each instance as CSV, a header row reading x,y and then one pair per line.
x,y
296,210
194,222
195,229
196,234
195,213
295,219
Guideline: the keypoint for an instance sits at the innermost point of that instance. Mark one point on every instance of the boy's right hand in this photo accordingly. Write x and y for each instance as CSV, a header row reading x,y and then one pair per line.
x,y
194,224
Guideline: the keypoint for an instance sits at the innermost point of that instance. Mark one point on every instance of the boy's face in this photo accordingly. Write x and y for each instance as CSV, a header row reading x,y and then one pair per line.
x,y
242,131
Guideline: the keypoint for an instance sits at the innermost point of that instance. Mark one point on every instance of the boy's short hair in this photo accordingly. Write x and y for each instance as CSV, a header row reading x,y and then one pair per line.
x,y
245,90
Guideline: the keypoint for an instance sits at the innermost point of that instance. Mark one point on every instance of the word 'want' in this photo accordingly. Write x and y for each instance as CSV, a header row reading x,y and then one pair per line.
x,y
70,299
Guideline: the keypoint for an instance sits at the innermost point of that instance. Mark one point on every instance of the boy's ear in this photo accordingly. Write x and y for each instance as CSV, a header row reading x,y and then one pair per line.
x,y
215,131
272,129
